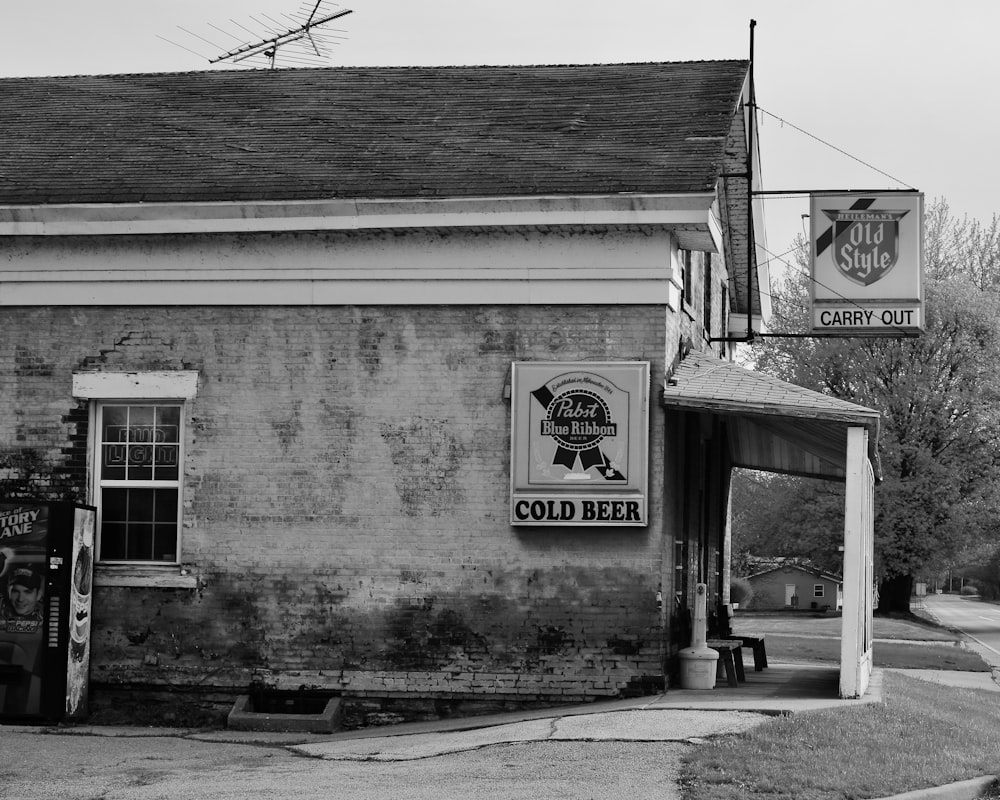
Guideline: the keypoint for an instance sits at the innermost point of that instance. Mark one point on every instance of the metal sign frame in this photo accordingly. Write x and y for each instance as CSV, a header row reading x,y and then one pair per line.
x,y
579,443
867,258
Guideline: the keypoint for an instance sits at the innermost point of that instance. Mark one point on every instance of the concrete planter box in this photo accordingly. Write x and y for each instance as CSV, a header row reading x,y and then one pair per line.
x,y
301,716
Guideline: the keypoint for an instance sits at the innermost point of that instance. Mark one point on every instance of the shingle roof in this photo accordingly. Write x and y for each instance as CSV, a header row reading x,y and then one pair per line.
x,y
772,424
799,568
384,132
701,379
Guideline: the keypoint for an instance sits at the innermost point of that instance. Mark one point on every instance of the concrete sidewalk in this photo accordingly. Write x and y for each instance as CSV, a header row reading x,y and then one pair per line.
x,y
676,715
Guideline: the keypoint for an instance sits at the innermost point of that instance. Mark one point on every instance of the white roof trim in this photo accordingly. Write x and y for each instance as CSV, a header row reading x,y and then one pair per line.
x,y
685,210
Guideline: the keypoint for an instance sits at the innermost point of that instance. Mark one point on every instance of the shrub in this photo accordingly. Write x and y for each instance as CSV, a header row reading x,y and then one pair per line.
x,y
969,588
740,591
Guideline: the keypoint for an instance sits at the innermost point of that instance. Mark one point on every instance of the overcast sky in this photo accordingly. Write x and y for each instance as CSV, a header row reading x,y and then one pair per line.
x,y
905,86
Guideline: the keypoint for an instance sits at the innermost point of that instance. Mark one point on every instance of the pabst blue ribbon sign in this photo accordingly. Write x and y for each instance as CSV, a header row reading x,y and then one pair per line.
x,y
867,259
579,443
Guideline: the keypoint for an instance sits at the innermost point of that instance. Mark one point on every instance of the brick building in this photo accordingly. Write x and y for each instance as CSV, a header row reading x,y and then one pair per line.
x,y
266,323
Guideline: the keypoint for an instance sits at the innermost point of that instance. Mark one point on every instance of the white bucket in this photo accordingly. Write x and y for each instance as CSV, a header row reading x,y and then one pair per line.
x,y
698,667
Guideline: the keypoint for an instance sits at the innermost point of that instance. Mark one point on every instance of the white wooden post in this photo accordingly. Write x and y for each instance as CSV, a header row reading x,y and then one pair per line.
x,y
856,628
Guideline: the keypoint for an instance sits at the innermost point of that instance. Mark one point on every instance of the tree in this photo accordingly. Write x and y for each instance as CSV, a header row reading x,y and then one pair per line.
x,y
787,516
938,393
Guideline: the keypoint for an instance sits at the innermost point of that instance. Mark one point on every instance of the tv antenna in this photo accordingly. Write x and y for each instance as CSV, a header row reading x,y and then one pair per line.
x,y
298,39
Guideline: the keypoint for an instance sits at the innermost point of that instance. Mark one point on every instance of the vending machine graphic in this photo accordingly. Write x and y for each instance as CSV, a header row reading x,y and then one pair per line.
x,y
46,575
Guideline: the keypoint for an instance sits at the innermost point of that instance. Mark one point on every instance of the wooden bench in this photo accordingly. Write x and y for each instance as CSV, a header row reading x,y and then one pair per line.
x,y
730,660
755,641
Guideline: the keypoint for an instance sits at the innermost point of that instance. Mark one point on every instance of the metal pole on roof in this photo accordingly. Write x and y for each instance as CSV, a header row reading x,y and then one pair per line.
x,y
751,245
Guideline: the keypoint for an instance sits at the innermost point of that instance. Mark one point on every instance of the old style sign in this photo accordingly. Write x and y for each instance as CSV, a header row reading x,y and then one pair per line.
x,y
579,443
867,263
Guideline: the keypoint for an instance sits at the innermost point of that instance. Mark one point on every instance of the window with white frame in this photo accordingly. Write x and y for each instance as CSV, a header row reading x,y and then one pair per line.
x,y
138,480
818,590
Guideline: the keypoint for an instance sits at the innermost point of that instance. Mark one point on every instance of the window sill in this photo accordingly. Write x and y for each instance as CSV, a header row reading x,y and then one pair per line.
x,y
146,576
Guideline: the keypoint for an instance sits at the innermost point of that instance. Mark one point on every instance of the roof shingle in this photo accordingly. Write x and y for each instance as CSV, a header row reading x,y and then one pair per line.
x,y
385,132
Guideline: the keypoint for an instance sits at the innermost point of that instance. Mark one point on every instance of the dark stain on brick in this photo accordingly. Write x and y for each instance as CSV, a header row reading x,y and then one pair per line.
x,y
287,424
626,645
426,458
28,363
140,637
328,596
339,428
182,626
553,639
370,338
421,637
26,473
455,360
494,341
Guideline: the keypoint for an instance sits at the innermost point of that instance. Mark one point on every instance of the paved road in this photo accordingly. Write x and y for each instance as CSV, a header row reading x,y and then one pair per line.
x,y
61,767
977,620
627,754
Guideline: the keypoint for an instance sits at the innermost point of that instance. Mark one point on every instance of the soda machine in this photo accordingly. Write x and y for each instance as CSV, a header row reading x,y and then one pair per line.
x,y
46,576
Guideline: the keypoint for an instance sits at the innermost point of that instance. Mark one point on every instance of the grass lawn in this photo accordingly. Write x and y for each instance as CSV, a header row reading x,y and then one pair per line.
x,y
900,643
923,735
911,628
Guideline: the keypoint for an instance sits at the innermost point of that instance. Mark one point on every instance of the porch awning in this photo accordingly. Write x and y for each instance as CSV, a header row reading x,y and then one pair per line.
x,y
773,425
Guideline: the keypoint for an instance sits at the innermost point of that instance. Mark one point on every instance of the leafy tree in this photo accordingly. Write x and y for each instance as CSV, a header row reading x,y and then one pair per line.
x,y
787,516
940,439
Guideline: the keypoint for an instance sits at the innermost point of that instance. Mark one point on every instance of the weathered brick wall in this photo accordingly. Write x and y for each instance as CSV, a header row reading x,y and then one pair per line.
x,y
346,498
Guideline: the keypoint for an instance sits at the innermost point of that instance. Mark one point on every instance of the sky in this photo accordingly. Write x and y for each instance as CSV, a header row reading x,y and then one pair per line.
x,y
853,94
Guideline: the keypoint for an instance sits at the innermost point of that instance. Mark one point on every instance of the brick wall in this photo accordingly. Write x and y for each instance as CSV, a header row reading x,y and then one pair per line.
x,y
346,499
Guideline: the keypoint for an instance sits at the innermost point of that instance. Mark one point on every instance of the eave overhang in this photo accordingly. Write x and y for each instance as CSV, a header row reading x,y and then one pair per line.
x,y
690,215
772,425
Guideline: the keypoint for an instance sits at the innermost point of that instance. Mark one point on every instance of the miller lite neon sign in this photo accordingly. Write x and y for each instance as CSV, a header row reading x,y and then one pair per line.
x,y
579,443
867,263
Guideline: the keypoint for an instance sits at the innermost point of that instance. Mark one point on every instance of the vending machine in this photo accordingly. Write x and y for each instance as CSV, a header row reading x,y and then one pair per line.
x,y
46,575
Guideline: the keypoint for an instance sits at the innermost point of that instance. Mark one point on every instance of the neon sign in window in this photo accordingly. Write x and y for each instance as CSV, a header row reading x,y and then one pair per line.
x,y
139,481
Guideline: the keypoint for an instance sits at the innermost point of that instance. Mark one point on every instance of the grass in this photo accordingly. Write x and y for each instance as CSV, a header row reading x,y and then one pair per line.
x,y
895,655
796,638
923,735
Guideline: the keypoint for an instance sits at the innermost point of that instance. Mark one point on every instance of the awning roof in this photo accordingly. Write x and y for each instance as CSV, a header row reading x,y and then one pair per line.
x,y
773,425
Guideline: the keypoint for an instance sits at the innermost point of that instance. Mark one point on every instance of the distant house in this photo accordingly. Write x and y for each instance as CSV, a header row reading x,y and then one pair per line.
x,y
795,586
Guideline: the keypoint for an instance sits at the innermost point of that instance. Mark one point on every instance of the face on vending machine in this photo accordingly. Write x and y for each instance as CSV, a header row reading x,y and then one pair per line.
x,y
24,529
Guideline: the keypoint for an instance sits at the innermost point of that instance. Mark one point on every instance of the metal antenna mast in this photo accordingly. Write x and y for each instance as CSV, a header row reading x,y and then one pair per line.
x,y
269,47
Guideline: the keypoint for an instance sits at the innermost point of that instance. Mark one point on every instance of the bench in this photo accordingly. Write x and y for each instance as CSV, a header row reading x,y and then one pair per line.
x,y
730,660
755,641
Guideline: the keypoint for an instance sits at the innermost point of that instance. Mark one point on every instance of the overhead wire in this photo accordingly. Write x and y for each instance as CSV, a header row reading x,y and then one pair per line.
x,y
833,147
781,195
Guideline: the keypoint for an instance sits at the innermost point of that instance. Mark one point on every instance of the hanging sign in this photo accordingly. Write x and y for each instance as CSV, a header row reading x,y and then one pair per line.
x,y
867,263
579,443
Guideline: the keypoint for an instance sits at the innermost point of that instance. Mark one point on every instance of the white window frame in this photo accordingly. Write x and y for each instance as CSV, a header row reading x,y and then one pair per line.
x,y
175,387
100,483
819,590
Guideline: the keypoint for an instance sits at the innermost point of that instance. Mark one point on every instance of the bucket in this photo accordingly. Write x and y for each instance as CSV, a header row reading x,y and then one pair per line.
x,y
698,667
